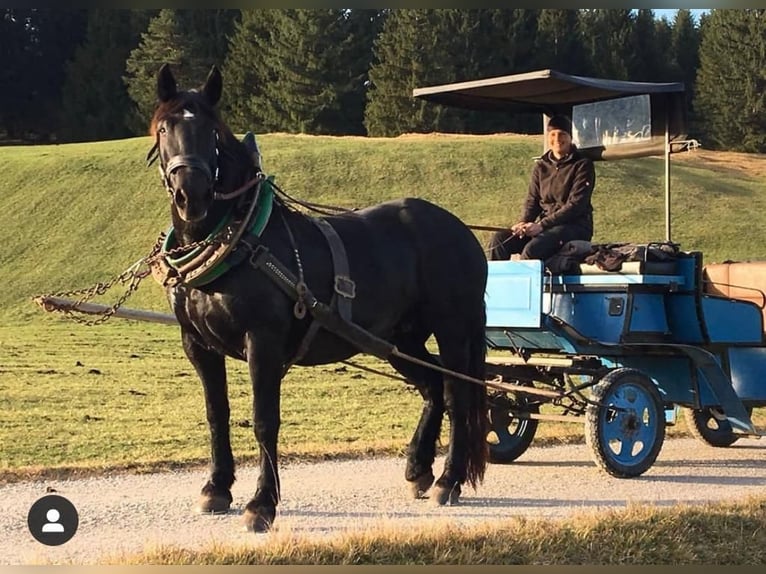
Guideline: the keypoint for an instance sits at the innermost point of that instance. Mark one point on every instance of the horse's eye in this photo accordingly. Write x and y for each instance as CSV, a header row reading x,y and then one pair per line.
x,y
162,130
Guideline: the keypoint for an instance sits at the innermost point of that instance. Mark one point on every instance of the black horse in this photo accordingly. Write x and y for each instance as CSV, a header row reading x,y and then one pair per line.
x,y
416,269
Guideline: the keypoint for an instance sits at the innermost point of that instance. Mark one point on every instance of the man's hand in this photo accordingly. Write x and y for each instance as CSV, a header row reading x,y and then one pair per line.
x,y
517,229
526,229
533,229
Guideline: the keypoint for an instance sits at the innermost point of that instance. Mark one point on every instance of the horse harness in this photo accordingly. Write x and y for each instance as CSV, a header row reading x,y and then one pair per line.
x,y
238,238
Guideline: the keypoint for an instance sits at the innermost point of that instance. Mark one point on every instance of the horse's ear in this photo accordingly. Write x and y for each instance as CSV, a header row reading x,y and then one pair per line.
x,y
213,86
166,84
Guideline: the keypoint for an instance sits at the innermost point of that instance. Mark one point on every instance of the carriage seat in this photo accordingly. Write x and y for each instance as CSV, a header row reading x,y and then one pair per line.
x,y
741,280
586,258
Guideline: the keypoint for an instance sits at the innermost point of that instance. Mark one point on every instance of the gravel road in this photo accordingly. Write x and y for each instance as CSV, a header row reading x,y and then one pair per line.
x,y
124,514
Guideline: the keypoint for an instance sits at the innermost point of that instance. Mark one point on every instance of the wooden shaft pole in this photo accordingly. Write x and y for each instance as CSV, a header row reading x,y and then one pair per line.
x,y
59,303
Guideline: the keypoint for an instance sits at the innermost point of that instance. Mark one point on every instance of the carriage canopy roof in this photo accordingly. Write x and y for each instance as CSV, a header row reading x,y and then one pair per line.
x,y
544,91
611,119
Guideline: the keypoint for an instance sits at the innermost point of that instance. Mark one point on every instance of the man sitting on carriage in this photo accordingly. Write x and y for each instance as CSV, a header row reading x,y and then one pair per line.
x,y
558,206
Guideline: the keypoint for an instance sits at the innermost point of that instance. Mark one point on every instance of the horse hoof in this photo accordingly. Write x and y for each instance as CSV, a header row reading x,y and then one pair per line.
x,y
256,522
420,485
442,495
214,503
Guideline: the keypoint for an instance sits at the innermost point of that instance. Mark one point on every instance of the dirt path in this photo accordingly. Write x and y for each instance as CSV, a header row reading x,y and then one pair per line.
x,y
131,513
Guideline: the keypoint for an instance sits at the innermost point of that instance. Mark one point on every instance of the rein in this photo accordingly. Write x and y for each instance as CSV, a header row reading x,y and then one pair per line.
x,y
325,209
240,190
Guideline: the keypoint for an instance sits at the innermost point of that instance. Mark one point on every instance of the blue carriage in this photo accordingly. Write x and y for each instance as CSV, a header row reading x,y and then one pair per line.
x,y
624,349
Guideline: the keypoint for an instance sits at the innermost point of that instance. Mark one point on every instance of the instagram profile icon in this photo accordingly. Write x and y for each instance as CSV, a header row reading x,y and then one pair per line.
x,y
53,520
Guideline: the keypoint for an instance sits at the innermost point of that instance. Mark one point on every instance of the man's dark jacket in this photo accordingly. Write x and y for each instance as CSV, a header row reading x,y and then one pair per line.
x,y
560,192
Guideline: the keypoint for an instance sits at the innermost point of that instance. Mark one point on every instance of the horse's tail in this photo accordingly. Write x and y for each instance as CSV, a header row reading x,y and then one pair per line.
x,y
478,421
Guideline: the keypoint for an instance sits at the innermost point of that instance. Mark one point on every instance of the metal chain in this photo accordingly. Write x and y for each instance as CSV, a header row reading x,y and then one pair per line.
x,y
132,274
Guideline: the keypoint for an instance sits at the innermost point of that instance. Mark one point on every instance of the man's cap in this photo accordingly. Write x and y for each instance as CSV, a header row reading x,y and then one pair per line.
x,y
560,122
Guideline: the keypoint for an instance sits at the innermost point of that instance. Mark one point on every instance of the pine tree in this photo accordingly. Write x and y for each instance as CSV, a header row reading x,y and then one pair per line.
x,y
511,36
663,38
406,57
685,54
685,47
363,27
191,41
243,72
95,100
37,43
606,34
730,100
301,70
60,33
419,48
163,42
15,52
644,61
559,41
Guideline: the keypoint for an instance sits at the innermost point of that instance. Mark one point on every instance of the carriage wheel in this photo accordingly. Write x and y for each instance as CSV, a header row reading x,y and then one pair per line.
x,y
626,428
509,436
711,426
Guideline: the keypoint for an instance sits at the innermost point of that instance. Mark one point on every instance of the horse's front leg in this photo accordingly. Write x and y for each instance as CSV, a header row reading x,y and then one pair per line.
x,y
211,368
264,359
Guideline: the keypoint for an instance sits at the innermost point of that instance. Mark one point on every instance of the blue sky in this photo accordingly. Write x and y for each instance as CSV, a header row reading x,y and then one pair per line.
x,y
669,13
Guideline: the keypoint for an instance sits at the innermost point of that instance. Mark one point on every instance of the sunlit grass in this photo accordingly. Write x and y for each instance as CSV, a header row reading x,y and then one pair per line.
x,y
124,395
720,534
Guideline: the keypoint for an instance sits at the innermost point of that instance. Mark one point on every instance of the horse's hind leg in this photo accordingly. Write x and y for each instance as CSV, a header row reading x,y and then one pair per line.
x,y
463,350
211,368
422,448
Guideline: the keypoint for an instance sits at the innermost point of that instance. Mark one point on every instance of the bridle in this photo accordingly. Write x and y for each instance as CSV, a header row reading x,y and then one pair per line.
x,y
190,161
196,162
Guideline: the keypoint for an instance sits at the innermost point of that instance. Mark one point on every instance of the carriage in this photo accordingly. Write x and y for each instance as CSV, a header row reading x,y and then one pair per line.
x,y
250,277
624,348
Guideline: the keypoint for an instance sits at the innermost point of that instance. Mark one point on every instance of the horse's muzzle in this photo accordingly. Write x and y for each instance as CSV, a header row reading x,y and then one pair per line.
x,y
190,208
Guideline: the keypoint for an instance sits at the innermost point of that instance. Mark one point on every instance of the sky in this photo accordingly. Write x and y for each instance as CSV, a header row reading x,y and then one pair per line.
x,y
669,13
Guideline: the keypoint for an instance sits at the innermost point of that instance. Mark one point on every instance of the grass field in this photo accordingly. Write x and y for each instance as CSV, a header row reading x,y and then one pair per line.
x,y
123,395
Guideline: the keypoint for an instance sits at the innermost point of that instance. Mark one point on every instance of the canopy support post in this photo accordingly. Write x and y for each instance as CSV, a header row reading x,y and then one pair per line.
x,y
667,178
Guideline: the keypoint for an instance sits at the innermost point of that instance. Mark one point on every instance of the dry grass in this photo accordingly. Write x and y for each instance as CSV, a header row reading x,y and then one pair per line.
x,y
731,534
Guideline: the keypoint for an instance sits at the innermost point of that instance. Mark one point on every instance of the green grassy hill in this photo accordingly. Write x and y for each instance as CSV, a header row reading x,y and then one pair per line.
x,y
75,214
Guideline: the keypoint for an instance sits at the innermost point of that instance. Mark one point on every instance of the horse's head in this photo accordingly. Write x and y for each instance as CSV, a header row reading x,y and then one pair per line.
x,y
187,132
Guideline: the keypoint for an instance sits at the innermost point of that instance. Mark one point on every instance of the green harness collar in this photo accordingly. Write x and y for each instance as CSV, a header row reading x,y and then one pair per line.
x,y
213,258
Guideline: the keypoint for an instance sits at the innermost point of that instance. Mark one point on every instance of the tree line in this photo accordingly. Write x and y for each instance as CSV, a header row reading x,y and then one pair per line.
x,y
89,74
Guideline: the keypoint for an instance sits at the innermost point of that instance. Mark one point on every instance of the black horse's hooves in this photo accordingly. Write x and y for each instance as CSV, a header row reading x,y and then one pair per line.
x,y
255,522
442,495
213,504
420,485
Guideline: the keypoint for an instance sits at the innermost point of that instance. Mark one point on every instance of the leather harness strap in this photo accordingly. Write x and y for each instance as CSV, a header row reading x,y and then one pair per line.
x,y
344,289
323,315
